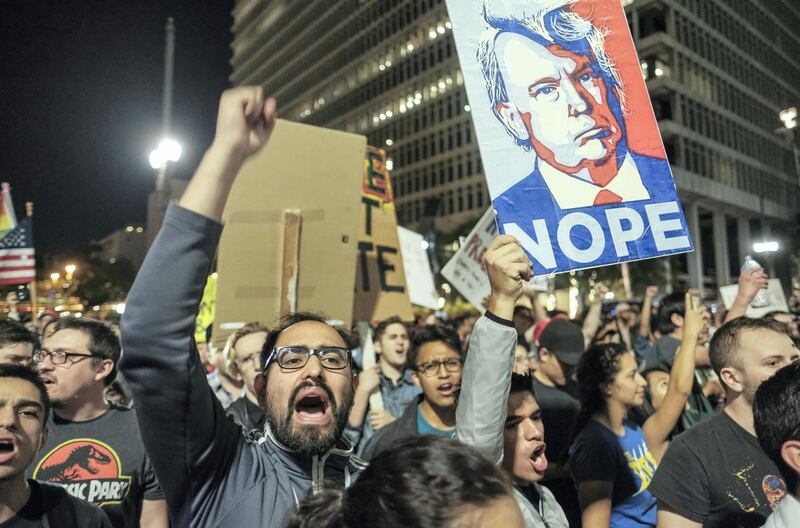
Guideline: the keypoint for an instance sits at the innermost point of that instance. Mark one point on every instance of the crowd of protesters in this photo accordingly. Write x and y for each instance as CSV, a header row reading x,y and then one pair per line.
x,y
652,414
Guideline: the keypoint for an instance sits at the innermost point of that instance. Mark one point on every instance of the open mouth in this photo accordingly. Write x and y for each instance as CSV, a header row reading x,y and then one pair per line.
x,y
448,389
7,450
312,406
539,459
47,380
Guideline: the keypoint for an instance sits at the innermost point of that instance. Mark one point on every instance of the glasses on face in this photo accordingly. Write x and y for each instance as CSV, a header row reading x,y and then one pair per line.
x,y
297,356
432,367
58,356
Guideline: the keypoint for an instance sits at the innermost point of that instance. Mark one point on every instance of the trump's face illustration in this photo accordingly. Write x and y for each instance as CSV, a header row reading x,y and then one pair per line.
x,y
559,101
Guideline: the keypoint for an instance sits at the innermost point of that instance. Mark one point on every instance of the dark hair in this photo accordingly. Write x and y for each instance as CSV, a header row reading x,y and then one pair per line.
x,y
674,303
103,342
776,414
596,370
429,334
383,325
11,370
424,482
724,348
521,383
13,332
298,317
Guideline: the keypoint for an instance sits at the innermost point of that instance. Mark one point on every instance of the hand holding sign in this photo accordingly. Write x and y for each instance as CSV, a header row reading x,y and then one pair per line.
x,y
509,269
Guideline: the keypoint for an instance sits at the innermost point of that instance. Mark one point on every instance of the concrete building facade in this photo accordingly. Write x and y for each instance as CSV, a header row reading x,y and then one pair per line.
x,y
718,71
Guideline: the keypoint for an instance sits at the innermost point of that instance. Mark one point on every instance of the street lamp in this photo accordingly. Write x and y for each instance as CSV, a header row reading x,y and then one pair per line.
x,y
767,246
70,269
55,276
168,151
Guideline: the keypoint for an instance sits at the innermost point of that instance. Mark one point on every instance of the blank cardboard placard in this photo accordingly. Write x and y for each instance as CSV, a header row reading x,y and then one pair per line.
x,y
318,172
381,290
419,277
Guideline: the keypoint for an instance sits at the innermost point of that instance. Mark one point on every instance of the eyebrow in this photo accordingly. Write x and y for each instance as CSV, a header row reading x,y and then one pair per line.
x,y
24,403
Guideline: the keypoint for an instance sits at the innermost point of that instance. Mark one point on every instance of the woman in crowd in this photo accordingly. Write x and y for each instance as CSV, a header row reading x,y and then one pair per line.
x,y
424,482
609,459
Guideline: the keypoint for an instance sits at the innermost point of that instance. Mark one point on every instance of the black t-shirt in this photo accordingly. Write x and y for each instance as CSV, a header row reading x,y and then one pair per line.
x,y
559,414
52,506
716,474
101,461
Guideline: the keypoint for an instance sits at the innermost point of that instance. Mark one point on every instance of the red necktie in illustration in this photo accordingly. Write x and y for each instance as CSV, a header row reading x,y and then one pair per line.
x,y
606,197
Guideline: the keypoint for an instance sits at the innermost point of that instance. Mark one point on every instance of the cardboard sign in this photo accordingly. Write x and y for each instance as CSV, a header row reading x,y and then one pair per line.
x,y
777,300
316,172
419,277
380,277
570,146
466,271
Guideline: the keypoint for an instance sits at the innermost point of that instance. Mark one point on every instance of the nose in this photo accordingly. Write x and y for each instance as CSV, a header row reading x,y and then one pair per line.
x,y
8,418
532,430
577,103
45,365
313,368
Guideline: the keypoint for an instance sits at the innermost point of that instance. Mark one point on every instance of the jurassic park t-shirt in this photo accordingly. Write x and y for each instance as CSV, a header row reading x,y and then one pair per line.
x,y
101,461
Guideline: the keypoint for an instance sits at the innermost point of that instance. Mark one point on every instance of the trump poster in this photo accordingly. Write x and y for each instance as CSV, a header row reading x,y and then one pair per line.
x,y
574,162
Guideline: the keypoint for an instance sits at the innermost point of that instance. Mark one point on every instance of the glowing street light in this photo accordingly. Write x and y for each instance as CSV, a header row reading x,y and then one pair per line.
x,y
168,151
55,276
768,246
70,268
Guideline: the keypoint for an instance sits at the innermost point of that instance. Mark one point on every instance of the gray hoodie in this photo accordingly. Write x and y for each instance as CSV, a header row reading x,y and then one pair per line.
x,y
483,405
212,474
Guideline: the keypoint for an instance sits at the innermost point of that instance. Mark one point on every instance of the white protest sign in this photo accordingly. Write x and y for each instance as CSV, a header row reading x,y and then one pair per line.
x,y
777,300
574,162
419,277
465,270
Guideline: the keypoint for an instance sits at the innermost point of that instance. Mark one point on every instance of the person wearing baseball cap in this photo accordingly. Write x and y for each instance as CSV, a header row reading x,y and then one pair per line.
x,y
561,346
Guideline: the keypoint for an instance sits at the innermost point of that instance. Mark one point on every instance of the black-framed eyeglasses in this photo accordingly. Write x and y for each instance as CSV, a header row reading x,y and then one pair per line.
x,y
297,356
58,356
432,367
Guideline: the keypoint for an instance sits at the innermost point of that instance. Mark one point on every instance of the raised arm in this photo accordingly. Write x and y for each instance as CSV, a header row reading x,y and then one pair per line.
x,y
647,310
593,320
681,377
749,283
486,381
182,424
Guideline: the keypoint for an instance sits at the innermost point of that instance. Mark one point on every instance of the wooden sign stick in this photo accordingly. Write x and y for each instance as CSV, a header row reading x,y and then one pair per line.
x,y
290,260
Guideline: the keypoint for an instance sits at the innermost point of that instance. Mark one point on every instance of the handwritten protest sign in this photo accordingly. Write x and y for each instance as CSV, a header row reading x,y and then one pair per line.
x,y
419,277
572,154
777,300
380,277
466,271
313,174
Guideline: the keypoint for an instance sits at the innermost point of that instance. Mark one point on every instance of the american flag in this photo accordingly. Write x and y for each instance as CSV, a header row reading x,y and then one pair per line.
x,y
17,257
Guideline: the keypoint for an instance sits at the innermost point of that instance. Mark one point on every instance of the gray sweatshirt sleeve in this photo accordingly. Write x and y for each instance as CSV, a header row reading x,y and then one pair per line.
x,y
485,384
187,436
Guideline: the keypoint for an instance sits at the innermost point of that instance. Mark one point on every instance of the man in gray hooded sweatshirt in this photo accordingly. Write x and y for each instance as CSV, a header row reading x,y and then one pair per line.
x,y
212,473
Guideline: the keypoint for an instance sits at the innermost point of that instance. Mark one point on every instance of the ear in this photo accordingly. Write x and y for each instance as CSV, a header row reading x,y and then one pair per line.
x,y
42,438
376,345
260,385
677,320
790,453
104,368
732,379
544,354
354,378
511,118
415,377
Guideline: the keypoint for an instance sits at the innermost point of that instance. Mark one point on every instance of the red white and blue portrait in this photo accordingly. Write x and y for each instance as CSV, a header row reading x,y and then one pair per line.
x,y
574,163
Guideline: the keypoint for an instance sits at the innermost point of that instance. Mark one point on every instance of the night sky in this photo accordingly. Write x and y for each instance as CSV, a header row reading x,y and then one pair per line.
x,y
80,106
